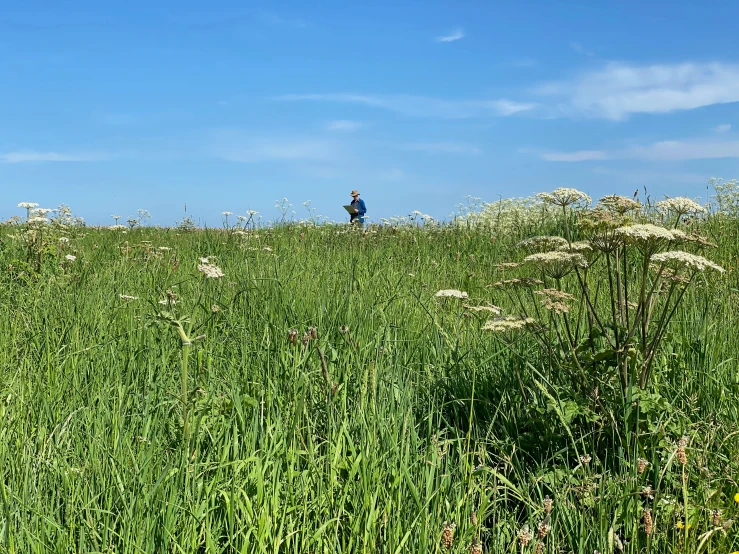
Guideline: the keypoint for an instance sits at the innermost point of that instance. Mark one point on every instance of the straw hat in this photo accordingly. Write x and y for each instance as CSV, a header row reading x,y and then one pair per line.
x,y
355,193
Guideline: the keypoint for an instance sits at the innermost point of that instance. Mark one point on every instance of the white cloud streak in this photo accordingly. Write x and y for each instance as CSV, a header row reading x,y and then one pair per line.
x,y
456,34
239,147
27,156
663,151
421,106
442,148
725,128
620,90
344,125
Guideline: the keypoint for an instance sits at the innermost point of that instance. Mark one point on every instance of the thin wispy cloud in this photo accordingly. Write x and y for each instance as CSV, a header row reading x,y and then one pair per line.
x,y
620,90
27,156
580,49
725,128
344,125
421,106
662,151
442,148
237,146
456,34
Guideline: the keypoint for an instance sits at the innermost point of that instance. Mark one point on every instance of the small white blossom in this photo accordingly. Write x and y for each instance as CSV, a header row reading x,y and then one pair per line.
x,y
557,264
227,213
508,323
677,259
542,243
64,240
680,205
28,205
211,271
37,220
127,298
70,257
565,197
451,293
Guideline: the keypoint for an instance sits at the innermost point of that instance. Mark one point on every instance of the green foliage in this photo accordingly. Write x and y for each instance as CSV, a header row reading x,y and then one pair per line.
x,y
386,414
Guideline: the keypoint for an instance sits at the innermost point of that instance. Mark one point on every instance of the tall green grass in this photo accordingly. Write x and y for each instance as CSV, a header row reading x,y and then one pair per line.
x,y
399,418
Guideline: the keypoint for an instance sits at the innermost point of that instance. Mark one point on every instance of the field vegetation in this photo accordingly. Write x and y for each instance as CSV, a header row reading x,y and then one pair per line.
x,y
553,374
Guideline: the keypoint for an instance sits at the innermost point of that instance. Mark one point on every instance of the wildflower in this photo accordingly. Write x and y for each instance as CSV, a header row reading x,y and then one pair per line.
x,y
557,264
451,293
476,547
585,459
648,522
581,247
215,308
37,220
680,206
27,205
565,197
736,498
548,503
128,298
641,465
543,529
344,329
524,282
313,332
542,243
164,249
490,309
210,270
227,213
646,237
677,259
447,534
63,240
168,301
70,257
619,204
525,536
508,323
648,492
292,336
681,525
473,519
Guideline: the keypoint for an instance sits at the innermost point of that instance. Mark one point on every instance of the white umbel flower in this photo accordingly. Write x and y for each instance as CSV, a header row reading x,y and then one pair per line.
x,y
211,271
557,264
542,243
680,205
128,298
28,205
565,197
451,293
70,257
508,323
677,259
619,204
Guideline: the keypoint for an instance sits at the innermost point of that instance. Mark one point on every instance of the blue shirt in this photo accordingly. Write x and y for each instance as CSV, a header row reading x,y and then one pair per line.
x,y
358,204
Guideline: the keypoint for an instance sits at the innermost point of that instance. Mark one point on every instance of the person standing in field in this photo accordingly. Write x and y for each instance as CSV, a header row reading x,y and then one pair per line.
x,y
357,218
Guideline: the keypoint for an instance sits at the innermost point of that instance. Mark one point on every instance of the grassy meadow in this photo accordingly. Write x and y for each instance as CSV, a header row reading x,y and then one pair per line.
x,y
307,390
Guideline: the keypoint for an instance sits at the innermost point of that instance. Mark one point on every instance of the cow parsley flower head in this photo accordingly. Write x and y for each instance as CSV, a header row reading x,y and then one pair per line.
x,y
227,213
37,220
542,243
28,205
646,237
619,204
677,259
565,197
211,271
582,246
557,264
508,323
451,293
680,205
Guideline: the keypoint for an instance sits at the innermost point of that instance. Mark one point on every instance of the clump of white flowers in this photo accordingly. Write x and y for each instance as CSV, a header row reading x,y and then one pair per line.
x,y
677,259
508,323
209,269
485,309
542,243
557,264
680,205
645,236
565,197
619,204
451,293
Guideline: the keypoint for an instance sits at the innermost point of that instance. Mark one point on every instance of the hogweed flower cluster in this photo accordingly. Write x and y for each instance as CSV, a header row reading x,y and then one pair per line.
x,y
565,197
678,260
619,204
451,293
209,269
557,264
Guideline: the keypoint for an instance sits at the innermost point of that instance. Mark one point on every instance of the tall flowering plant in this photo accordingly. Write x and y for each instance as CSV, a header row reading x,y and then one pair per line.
x,y
605,303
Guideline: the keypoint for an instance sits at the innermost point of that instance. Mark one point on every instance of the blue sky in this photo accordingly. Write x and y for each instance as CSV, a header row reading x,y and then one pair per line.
x,y
224,105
